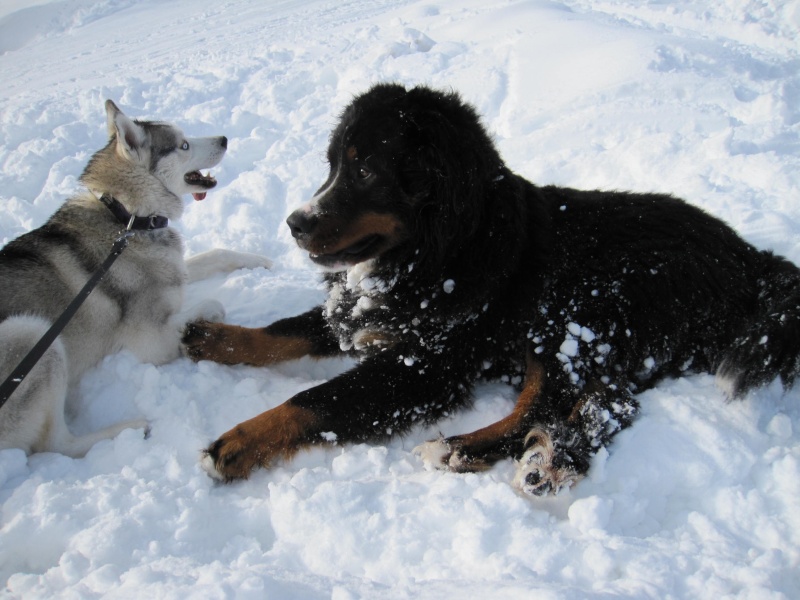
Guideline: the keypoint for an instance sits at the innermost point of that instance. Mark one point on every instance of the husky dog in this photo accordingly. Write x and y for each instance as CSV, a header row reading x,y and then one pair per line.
x,y
135,182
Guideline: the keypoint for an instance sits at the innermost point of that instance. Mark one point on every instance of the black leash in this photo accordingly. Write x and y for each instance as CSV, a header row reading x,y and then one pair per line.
x,y
133,224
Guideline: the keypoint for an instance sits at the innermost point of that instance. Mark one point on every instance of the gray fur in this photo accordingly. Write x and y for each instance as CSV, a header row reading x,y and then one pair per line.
x,y
135,307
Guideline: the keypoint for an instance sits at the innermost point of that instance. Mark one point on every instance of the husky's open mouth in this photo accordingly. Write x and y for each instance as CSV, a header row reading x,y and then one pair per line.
x,y
196,178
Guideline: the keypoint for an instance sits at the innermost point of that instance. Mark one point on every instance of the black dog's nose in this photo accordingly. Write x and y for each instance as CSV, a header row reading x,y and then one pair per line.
x,y
301,222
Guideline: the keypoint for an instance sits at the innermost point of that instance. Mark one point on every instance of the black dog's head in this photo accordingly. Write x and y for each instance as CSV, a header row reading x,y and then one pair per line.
x,y
409,174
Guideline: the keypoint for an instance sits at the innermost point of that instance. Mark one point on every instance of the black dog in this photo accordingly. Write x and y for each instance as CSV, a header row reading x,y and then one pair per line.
x,y
444,268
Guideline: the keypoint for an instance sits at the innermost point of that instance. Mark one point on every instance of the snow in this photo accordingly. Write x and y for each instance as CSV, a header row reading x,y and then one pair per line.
x,y
697,500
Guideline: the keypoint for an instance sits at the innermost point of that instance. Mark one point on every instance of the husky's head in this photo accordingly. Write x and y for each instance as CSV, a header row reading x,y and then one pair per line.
x,y
171,156
147,162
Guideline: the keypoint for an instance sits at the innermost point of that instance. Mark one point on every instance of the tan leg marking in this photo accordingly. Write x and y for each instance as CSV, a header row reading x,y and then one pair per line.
x,y
275,434
513,424
472,451
231,344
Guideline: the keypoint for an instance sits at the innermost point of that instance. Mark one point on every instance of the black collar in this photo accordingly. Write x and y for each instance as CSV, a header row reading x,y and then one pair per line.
x,y
128,220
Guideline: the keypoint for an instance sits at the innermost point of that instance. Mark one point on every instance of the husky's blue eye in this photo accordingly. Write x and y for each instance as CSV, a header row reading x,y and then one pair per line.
x,y
185,146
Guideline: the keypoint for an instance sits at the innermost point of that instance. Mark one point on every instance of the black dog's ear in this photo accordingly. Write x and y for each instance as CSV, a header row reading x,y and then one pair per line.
x,y
439,174
442,160
450,171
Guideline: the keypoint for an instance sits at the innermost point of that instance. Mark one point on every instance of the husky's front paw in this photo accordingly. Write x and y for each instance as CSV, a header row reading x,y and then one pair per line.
x,y
219,260
247,260
552,461
208,310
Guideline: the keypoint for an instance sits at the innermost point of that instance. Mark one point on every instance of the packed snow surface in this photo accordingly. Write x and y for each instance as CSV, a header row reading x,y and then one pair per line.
x,y
699,499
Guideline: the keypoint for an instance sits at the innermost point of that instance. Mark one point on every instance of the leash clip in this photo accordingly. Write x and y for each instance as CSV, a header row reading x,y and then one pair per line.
x,y
122,240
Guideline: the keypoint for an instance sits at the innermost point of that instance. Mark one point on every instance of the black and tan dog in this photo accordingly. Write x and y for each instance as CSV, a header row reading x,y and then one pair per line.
x,y
445,268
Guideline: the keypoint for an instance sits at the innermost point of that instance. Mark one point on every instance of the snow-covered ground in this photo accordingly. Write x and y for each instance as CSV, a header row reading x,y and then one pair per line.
x,y
700,499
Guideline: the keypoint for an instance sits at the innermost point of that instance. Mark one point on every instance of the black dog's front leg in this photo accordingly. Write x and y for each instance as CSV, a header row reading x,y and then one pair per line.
x,y
380,397
304,335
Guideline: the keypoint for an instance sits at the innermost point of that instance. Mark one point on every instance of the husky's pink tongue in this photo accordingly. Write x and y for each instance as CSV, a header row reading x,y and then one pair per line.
x,y
197,179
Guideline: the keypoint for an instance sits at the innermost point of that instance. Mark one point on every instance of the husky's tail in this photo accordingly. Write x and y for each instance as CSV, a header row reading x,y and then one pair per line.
x,y
768,346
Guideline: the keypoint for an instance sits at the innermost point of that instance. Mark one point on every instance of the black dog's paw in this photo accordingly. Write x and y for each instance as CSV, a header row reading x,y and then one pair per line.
x,y
450,454
193,331
202,340
554,459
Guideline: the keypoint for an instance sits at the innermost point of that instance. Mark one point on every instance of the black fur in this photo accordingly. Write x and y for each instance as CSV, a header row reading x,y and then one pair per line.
x,y
609,292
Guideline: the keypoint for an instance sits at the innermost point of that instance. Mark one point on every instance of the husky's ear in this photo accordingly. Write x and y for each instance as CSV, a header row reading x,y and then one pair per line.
x,y
130,137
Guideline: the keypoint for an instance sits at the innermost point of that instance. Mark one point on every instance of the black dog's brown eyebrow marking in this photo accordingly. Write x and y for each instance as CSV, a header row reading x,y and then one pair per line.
x,y
352,153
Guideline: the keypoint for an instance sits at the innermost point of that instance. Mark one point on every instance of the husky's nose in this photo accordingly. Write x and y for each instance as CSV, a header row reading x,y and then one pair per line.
x,y
301,222
223,141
